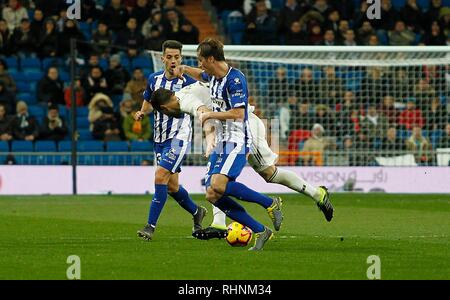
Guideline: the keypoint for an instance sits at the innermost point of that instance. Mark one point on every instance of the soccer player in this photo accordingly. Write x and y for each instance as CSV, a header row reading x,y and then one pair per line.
x,y
195,100
229,94
172,137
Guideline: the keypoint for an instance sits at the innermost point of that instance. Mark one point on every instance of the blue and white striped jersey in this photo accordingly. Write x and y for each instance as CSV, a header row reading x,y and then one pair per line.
x,y
165,127
226,93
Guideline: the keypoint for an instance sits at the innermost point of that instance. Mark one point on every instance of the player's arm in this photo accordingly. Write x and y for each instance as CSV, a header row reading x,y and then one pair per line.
x,y
195,73
146,107
232,114
209,129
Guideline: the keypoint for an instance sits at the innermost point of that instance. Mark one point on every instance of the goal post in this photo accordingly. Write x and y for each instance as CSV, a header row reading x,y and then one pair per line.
x,y
368,106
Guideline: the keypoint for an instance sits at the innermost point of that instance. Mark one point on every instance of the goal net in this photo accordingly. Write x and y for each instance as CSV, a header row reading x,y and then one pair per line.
x,y
347,106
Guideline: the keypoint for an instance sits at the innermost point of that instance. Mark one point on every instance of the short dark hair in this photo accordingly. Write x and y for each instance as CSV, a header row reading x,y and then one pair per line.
x,y
211,47
172,44
160,97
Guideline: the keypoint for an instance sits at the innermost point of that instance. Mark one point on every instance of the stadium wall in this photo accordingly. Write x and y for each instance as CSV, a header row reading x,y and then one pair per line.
x,y
38,180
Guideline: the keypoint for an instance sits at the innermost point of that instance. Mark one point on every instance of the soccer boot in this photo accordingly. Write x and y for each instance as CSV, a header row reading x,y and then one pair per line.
x,y
210,233
261,238
198,218
146,233
275,213
325,205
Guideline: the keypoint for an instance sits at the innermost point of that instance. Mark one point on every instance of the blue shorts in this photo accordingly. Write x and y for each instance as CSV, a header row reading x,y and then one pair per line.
x,y
229,159
171,154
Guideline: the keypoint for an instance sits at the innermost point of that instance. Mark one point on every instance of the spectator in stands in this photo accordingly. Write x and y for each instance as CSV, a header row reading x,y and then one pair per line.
x,y
250,5
130,38
391,142
373,40
103,39
107,127
388,110
116,76
325,117
374,125
95,83
172,5
189,33
95,107
389,15
346,8
290,13
261,26
444,20
401,82
93,61
401,36
322,7
89,11
332,21
5,38
71,31
13,14
435,115
444,142
48,40
412,15
54,126
23,40
330,87
295,35
257,109
434,37
155,40
278,87
411,116
5,125
115,16
305,87
432,14
343,27
51,8
419,146
6,78
434,75
140,12
136,86
315,144
372,84
37,24
137,130
349,38
80,94
315,36
329,38
423,92
7,98
301,117
364,33
61,20
155,20
24,126
348,120
50,89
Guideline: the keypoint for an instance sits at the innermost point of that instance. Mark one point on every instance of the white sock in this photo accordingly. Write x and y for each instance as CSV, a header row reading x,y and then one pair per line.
x,y
294,182
219,218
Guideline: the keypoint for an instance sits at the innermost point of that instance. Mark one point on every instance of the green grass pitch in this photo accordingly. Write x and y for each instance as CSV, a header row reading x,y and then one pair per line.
x,y
410,234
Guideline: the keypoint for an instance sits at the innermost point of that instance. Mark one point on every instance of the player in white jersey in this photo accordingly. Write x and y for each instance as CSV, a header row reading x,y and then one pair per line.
x,y
194,100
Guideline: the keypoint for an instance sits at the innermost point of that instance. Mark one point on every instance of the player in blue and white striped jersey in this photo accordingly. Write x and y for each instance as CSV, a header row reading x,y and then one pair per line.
x,y
172,138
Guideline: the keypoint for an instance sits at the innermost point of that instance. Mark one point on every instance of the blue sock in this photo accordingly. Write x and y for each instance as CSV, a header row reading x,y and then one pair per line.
x,y
237,213
159,199
185,201
244,193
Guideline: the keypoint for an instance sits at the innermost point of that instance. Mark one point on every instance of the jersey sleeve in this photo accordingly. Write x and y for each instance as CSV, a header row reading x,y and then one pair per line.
x,y
204,76
148,89
238,92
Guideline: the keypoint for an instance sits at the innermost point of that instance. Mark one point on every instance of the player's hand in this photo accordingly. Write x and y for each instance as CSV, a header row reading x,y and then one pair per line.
x,y
204,117
179,71
138,115
209,148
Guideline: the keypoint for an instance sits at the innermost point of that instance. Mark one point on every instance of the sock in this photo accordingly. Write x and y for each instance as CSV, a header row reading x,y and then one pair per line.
x,y
219,218
244,193
159,199
294,182
185,201
236,212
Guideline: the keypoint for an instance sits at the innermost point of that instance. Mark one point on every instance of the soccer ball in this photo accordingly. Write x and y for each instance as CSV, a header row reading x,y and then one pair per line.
x,y
238,235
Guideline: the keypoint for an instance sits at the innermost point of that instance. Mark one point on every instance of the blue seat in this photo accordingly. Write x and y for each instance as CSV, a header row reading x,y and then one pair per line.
x,y
142,62
4,146
398,4
66,146
12,63
23,87
36,111
277,4
103,64
22,146
45,146
34,76
82,111
29,99
141,146
117,146
30,64
85,134
91,146
125,62
52,62
19,76
423,4
64,76
83,122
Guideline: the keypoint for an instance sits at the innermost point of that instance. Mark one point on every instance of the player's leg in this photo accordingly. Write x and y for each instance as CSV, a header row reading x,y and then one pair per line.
x,y
182,197
235,211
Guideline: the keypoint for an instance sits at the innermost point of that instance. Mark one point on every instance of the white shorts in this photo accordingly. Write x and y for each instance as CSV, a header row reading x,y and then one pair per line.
x,y
261,156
